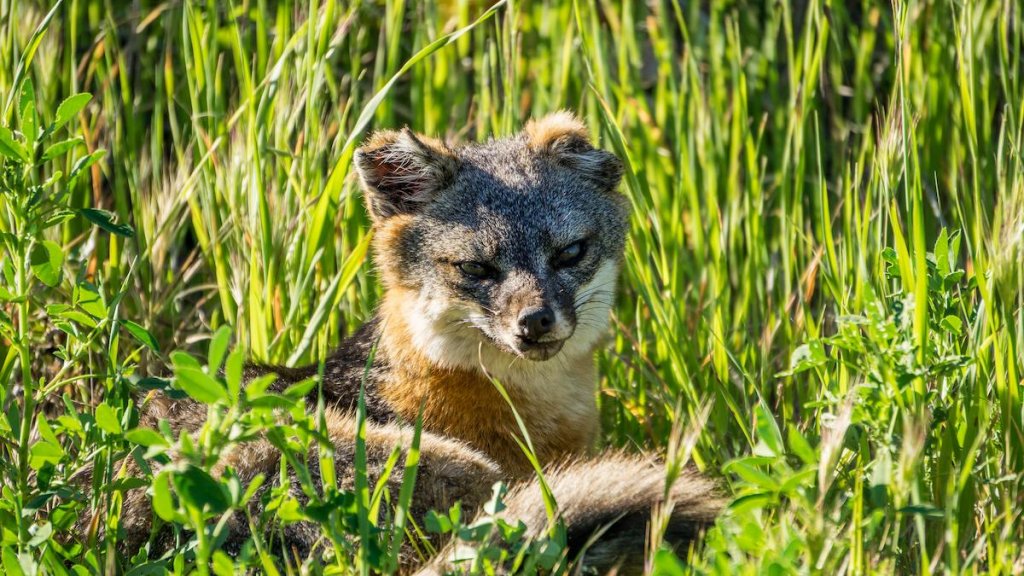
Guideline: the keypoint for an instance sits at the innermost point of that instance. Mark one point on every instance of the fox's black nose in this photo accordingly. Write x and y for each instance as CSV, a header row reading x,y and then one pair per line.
x,y
536,321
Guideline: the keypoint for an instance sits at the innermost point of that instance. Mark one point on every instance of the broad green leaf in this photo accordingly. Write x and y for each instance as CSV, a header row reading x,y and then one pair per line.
x,y
952,279
291,511
752,474
42,453
768,430
83,164
667,564
69,108
952,324
222,564
753,501
161,384
60,148
163,501
27,96
942,254
300,389
954,248
106,419
218,348
11,148
59,215
47,258
6,295
12,567
184,360
252,488
195,382
105,220
272,401
437,523
145,437
45,431
799,446
29,118
199,490
88,298
805,478
141,334
233,369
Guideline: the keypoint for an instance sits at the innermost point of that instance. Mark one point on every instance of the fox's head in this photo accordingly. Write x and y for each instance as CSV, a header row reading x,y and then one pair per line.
x,y
512,245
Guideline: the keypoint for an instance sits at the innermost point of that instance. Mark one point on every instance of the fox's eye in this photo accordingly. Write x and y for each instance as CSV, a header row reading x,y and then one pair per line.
x,y
476,270
570,255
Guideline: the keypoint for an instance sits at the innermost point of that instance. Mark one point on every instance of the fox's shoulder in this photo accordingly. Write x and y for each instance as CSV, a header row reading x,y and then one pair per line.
x,y
344,373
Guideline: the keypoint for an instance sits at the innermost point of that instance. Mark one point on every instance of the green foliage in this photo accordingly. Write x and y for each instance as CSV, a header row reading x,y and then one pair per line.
x,y
38,453
823,283
491,544
892,419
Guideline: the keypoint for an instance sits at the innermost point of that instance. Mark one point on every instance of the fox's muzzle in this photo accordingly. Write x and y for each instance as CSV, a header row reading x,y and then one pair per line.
x,y
536,323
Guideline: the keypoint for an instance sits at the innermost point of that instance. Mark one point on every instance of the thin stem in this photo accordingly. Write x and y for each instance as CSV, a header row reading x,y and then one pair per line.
x,y
23,285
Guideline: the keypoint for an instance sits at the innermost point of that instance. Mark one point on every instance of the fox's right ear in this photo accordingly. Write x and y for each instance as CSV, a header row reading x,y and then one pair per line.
x,y
563,138
401,171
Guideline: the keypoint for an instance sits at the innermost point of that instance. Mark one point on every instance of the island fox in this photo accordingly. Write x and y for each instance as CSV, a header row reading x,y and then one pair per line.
x,y
499,262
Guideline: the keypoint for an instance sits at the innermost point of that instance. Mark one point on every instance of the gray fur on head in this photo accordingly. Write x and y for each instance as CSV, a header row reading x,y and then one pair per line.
x,y
510,208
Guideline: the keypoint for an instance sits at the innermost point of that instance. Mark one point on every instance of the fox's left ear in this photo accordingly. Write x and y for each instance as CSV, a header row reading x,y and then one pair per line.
x,y
563,138
401,171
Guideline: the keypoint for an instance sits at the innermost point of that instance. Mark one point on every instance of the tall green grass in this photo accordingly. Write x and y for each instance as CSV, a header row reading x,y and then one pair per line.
x,y
823,290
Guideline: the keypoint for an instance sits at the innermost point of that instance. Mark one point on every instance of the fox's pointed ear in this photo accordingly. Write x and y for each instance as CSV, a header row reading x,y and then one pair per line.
x,y
401,171
565,140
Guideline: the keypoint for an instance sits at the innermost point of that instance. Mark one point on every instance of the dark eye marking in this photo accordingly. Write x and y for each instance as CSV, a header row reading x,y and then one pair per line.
x,y
476,270
571,255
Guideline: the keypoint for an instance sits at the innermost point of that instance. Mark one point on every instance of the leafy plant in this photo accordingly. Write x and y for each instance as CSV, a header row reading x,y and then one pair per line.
x,y
887,421
491,544
38,456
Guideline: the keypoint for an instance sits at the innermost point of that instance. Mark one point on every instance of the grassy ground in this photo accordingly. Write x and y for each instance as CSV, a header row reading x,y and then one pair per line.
x,y
822,298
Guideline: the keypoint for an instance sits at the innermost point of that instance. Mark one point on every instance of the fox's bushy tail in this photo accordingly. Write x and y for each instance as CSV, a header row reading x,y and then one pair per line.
x,y
607,504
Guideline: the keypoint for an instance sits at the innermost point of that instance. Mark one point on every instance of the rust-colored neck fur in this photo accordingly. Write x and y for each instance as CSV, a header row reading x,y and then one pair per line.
x,y
557,404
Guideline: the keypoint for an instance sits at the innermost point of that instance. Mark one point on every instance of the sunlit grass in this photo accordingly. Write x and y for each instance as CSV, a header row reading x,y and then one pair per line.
x,y
803,176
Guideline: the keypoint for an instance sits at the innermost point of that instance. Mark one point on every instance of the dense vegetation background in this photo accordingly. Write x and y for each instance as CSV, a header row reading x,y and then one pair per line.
x,y
822,299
